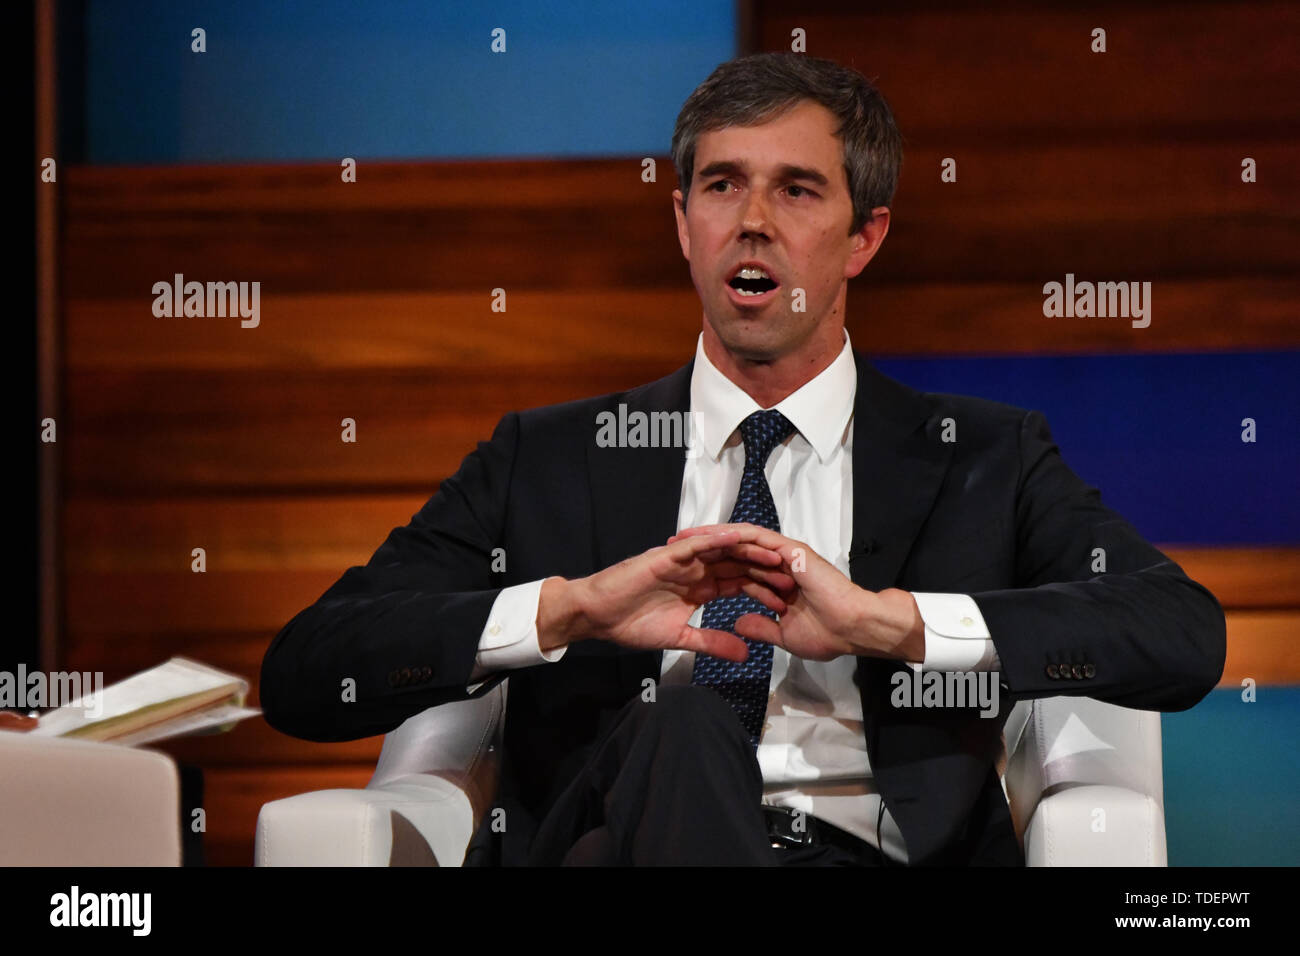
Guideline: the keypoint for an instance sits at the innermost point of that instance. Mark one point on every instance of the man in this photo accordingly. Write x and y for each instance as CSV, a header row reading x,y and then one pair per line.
x,y
704,649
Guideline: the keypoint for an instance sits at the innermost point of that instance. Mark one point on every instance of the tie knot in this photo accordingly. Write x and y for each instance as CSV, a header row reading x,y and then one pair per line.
x,y
761,432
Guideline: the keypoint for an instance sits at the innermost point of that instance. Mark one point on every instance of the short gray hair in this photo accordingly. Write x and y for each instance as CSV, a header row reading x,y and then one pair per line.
x,y
753,89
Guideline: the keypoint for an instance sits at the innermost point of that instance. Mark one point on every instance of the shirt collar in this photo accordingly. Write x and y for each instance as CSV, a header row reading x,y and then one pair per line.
x,y
820,409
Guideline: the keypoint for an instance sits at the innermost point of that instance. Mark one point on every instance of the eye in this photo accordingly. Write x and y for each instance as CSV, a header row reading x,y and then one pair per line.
x,y
803,191
720,182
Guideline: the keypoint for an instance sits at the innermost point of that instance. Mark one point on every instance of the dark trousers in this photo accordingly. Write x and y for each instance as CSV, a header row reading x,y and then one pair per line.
x,y
673,782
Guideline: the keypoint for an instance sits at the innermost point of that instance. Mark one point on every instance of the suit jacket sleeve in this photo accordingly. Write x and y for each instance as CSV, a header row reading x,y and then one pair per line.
x,y
1143,633
406,626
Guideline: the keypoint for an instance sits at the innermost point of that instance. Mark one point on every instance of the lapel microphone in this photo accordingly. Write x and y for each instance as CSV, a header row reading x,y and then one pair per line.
x,y
861,549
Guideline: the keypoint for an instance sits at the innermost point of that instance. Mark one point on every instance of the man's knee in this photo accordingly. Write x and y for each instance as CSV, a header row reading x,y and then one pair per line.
x,y
691,710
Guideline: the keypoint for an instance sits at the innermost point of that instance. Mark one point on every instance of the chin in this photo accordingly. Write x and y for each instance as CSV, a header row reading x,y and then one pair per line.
x,y
757,347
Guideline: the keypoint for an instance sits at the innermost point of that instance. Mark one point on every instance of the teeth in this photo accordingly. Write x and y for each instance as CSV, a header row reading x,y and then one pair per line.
x,y
749,272
743,292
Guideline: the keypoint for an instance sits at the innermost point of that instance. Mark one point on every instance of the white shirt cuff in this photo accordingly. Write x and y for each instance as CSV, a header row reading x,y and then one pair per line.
x,y
956,637
509,639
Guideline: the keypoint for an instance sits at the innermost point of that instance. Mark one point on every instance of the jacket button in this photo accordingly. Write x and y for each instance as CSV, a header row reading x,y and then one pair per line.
x,y
393,678
1052,672
1089,670
1077,671
406,676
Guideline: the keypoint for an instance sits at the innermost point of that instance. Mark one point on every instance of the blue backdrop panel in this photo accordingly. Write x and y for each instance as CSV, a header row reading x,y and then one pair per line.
x,y
323,79
1232,773
1159,435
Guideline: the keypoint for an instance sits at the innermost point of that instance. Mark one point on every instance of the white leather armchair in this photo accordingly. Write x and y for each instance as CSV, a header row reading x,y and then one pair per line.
x,y
1083,781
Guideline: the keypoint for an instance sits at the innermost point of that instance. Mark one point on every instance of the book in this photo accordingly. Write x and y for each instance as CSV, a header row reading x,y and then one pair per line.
x,y
179,698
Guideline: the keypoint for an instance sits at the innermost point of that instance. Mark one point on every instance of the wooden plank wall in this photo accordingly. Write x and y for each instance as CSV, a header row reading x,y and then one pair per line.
x,y
376,305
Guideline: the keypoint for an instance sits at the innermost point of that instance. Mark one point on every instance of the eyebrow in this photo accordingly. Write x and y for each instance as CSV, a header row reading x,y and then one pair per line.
x,y
730,167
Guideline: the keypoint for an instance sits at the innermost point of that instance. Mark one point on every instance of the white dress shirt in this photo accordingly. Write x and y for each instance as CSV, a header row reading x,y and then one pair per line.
x,y
812,752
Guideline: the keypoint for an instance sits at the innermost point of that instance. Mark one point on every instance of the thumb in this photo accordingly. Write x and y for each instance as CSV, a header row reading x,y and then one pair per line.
x,y
715,643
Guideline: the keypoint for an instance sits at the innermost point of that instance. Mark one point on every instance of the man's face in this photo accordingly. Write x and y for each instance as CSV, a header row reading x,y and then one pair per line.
x,y
775,195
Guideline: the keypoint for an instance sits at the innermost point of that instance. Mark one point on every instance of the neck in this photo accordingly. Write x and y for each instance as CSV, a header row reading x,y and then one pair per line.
x,y
768,381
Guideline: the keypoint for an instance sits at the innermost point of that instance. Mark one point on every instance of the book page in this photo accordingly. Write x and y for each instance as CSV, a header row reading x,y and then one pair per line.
x,y
174,681
209,720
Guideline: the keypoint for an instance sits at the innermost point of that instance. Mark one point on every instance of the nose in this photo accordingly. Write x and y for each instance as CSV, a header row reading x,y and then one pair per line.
x,y
754,216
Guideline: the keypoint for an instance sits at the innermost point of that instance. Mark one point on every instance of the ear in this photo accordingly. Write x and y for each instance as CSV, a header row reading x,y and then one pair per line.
x,y
866,242
683,236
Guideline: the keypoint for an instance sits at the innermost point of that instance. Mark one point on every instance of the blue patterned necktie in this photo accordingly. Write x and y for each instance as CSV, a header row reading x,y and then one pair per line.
x,y
745,685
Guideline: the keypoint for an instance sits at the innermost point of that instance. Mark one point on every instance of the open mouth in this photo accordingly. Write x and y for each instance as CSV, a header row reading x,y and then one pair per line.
x,y
752,282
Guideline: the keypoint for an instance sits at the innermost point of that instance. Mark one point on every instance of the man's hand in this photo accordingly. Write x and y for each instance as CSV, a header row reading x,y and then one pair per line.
x,y
825,614
645,601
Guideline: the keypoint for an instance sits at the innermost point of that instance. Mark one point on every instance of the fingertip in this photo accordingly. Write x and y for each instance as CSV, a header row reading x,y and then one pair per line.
x,y
727,646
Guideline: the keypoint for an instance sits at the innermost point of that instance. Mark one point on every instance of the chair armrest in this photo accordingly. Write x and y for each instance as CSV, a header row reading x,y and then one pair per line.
x,y
435,778
70,802
1061,833
416,820
1085,785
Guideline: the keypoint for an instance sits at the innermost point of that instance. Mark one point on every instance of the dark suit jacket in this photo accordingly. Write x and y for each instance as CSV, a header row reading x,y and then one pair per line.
x,y
996,514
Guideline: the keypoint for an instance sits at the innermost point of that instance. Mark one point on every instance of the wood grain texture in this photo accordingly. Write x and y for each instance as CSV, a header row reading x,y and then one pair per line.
x,y
1262,647
1245,578
328,533
1024,71
584,330
1017,213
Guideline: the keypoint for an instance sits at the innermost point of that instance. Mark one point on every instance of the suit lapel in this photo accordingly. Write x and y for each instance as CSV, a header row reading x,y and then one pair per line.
x,y
636,495
898,466
928,765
